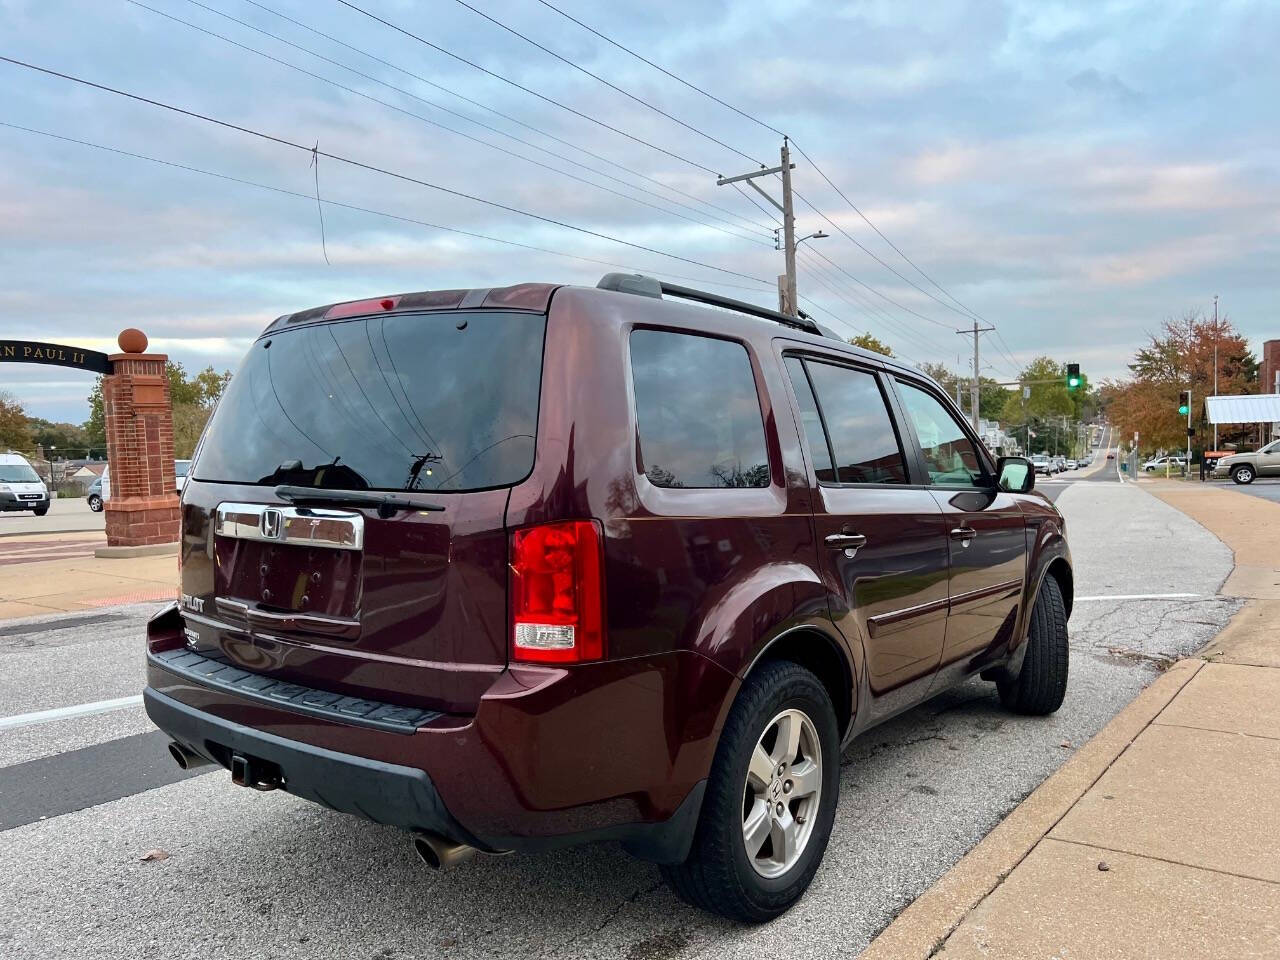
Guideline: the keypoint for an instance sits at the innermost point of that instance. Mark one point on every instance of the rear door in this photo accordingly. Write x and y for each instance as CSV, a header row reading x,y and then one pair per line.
x,y
881,538
986,532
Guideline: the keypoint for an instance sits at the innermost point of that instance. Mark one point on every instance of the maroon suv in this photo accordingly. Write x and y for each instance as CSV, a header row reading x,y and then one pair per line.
x,y
523,567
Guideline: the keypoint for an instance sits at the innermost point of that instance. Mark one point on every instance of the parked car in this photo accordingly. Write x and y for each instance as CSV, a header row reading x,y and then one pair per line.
x,y
180,468
21,487
1059,464
1042,464
1246,467
525,567
1072,465
1163,463
95,495
1111,456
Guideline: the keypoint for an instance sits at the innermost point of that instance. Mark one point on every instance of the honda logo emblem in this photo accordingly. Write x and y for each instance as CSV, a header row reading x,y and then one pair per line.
x,y
270,524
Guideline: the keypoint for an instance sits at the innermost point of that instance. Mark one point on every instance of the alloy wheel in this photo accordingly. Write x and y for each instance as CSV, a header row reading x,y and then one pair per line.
x,y
781,796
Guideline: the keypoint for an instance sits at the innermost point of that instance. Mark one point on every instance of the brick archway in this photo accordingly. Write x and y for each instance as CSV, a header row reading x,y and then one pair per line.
x,y
142,511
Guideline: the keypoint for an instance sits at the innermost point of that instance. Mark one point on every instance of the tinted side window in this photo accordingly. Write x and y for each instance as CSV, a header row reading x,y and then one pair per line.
x,y
697,411
862,436
949,455
812,422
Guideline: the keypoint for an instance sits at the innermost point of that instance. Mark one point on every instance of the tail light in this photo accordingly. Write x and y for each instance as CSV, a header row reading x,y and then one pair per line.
x,y
557,593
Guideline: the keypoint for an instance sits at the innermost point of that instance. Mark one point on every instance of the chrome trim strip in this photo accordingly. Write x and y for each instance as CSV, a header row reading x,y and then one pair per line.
x,y
876,625
983,593
301,526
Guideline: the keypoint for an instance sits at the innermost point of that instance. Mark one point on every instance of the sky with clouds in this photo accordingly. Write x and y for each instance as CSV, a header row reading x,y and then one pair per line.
x,y
1072,172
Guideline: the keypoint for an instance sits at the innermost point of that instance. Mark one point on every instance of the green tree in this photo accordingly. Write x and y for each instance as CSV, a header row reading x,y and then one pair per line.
x,y
991,395
66,439
869,342
193,401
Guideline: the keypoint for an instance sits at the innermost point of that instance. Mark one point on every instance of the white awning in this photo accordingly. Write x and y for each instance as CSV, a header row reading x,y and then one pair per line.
x,y
1262,408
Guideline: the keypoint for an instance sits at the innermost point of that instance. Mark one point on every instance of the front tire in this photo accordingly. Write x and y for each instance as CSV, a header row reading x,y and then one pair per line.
x,y
41,511
770,801
95,503
1242,475
1041,685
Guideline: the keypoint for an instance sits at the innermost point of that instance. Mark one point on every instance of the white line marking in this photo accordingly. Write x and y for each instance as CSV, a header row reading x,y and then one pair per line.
x,y
1140,596
62,713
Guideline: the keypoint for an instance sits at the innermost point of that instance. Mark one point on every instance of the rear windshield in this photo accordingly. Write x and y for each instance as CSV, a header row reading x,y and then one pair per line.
x,y
440,401
17,473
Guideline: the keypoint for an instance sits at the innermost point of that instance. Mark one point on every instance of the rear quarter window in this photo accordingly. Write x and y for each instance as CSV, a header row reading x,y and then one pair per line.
x,y
697,411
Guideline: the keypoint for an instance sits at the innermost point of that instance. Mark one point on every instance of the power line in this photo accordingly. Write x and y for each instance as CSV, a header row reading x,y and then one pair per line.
x,y
879,233
964,310
488,109
531,92
611,86
664,70
372,168
366,210
859,301
410,113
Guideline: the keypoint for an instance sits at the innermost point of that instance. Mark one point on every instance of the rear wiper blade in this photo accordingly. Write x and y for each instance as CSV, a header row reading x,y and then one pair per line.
x,y
386,503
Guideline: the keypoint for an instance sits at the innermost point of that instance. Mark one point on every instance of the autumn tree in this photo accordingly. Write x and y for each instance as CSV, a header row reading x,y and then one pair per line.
x,y
1179,357
869,342
15,430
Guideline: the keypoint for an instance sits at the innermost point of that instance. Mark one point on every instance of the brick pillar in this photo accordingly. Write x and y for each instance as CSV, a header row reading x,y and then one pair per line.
x,y
143,507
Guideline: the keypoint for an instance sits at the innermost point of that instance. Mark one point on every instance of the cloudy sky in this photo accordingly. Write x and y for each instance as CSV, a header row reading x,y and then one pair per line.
x,y
1072,172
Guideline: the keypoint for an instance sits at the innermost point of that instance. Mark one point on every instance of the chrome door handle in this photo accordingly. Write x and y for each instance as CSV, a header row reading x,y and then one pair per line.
x,y
963,533
845,541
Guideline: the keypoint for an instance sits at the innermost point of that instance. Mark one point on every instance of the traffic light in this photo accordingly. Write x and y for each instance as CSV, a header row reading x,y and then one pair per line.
x,y
1184,402
1073,376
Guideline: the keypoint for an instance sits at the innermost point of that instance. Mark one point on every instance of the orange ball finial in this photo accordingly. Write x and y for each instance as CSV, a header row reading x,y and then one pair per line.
x,y
133,341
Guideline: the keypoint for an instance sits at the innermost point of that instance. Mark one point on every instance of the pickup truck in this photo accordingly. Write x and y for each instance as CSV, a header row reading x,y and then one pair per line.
x,y
1247,467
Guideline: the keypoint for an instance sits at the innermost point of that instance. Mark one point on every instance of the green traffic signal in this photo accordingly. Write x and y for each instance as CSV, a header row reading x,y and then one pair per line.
x,y
1184,402
1073,376
1183,409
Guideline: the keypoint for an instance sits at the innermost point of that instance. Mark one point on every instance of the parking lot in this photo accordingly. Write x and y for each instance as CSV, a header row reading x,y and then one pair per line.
x,y
87,797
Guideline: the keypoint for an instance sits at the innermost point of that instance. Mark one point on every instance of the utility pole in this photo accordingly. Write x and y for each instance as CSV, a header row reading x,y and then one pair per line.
x,y
973,396
787,296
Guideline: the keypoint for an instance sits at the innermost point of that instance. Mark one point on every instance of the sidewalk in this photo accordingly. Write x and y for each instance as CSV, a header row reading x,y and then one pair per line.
x,y
1159,838
57,573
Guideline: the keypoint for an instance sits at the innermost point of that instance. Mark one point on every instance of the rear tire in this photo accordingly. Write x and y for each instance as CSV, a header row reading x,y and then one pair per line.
x,y
1041,685
720,875
95,503
1242,474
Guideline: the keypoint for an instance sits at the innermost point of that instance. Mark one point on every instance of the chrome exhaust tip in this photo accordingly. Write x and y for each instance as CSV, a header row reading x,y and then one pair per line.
x,y
438,853
185,758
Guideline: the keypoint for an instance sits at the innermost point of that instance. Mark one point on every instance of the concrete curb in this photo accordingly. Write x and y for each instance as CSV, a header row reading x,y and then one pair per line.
x,y
148,550
922,928
36,534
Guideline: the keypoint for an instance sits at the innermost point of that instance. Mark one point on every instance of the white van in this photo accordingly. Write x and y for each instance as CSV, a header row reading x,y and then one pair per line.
x,y
20,486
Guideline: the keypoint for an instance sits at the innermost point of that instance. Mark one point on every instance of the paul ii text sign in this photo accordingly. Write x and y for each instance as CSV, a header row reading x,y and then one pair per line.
x,y
54,354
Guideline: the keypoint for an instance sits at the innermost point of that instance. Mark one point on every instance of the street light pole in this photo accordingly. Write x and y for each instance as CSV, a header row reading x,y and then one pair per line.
x,y
1215,366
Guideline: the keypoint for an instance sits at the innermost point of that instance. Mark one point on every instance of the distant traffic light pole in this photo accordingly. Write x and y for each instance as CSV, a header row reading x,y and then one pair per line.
x,y
1185,407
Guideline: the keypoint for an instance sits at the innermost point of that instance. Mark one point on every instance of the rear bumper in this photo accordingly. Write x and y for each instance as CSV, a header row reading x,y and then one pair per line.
x,y
553,757
383,792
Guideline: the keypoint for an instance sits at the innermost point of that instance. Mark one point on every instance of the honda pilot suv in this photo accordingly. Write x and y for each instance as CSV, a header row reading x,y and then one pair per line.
x,y
524,567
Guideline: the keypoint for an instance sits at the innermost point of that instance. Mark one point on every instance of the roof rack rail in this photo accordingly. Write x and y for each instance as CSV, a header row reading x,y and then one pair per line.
x,y
644,286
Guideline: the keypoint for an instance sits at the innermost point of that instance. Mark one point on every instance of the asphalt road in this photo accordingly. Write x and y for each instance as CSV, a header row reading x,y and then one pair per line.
x,y
1267,489
64,516
267,875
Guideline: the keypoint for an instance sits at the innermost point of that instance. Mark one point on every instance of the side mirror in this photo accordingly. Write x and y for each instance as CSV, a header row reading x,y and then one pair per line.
x,y
1015,474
